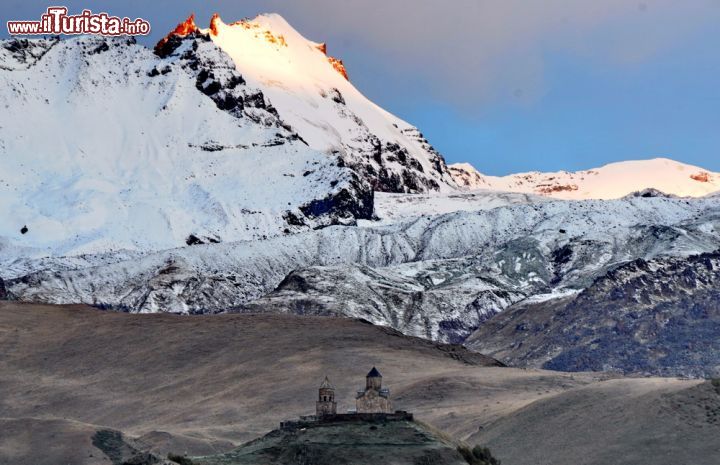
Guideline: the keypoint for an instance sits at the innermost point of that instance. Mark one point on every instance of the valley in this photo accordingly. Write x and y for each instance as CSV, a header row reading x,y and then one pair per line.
x,y
203,385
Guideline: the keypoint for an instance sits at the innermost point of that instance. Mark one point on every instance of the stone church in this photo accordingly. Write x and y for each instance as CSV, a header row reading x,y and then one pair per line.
x,y
375,398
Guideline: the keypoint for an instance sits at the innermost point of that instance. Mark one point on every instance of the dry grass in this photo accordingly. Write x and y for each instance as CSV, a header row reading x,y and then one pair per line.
x,y
199,385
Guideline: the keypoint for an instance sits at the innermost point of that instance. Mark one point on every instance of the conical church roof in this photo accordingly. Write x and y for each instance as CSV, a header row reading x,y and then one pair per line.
x,y
374,373
326,384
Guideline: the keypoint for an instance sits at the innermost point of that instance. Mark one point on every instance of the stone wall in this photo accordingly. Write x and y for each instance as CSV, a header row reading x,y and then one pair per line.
x,y
372,402
310,420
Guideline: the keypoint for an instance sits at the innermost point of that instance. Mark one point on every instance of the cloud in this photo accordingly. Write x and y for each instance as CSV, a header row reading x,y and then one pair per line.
x,y
472,51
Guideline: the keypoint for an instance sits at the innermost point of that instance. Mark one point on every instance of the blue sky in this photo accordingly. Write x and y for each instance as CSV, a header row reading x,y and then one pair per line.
x,y
509,85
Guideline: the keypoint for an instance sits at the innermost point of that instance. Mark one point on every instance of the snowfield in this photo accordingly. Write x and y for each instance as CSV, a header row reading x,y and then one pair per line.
x,y
390,208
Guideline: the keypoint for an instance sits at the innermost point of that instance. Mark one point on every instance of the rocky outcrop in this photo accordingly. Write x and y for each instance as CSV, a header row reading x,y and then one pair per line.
x,y
702,176
344,206
170,42
395,297
19,53
339,67
379,156
335,62
215,76
650,192
466,176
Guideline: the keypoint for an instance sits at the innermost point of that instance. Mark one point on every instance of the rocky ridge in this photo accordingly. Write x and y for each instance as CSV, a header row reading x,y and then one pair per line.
x,y
438,277
659,316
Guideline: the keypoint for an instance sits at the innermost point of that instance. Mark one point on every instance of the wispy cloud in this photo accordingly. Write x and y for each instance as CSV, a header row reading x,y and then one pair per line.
x,y
469,51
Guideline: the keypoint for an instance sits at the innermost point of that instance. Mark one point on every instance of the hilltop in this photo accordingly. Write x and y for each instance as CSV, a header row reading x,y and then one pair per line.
x,y
356,442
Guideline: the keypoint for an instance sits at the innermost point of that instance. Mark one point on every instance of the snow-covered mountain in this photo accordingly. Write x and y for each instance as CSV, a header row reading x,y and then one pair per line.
x,y
313,94
608,182
235,132
105,146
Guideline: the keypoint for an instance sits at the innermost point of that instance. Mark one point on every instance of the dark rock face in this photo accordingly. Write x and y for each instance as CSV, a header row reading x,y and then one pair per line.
x,y
27,52
659,317
120,451
358,204
374,164
3,291
344,207
650,192
192,239
103,47
337,97
216,77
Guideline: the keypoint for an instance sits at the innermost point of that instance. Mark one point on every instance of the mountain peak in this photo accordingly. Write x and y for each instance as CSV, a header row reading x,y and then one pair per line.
x,y
312,94
214,21
187,26
273,30
270,28
181,30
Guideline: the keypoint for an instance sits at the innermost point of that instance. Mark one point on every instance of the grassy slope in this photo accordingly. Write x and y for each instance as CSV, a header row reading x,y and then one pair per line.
x,y
622,421
201,384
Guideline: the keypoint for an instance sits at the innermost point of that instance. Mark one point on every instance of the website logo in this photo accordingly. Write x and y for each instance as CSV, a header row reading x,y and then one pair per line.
x,y
57,21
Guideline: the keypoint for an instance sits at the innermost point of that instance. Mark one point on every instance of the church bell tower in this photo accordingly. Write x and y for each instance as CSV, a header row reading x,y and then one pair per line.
x,y
326,404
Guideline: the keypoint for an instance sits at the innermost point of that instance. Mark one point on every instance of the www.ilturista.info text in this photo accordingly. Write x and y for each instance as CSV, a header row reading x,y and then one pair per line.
x,y
57,21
